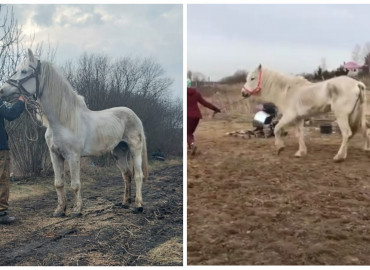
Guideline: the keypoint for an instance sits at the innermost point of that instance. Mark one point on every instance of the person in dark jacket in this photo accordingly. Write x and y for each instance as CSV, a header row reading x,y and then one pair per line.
x,y
194,114
9,114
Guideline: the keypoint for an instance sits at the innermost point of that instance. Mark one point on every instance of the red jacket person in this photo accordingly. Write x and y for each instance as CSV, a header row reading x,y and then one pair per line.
x,y
194,114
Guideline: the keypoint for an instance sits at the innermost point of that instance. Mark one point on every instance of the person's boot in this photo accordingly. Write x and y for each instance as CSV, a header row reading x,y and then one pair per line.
x,y
5,219
193,149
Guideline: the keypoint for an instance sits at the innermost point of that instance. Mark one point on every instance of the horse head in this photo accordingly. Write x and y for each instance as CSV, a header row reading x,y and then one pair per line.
x,y
25,80
253,82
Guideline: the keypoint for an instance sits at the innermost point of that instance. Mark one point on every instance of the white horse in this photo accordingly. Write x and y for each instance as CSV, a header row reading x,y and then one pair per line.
x,y
297,98
74,131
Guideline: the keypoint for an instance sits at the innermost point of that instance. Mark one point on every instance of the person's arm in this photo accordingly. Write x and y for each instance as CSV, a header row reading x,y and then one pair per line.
x,y
208,104
13,112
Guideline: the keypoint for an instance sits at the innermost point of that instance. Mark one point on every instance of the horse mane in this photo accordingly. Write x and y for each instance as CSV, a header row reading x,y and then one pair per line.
x,y
276,80
62,99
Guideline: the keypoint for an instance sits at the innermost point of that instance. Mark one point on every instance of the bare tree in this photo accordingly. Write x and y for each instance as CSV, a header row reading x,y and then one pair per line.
x,y
125,76
199,77
365,50
152,83
190,74
10,38
356,57
323,64
367,63
238,77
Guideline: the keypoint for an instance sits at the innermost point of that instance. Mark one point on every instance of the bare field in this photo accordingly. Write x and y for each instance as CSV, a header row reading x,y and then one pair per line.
x,y
106,234
249,206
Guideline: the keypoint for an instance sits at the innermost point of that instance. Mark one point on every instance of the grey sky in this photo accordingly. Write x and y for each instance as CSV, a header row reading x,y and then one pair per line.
x,y
115,30
288,38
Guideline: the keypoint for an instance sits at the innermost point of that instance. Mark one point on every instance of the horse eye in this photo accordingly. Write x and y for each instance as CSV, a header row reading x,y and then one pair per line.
x,y
252,79
24,71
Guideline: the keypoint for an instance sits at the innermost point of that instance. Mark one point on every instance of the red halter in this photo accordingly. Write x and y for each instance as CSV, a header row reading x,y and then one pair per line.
x,y
258,87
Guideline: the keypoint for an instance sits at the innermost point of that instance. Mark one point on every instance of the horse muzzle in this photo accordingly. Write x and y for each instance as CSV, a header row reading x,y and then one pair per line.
x,y
245,94
5,92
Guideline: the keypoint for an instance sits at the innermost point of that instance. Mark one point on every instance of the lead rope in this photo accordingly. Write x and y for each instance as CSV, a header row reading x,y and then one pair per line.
x,y
228,105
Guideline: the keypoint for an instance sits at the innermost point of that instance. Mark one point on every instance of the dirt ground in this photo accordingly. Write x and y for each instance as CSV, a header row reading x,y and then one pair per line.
x,y
106,234
248,206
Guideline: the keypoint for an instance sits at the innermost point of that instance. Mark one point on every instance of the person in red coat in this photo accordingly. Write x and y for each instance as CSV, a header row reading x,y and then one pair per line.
x,y
194,114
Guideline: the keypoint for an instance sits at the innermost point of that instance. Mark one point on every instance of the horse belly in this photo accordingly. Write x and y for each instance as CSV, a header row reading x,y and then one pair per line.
x,y
105,131
100,146
313,103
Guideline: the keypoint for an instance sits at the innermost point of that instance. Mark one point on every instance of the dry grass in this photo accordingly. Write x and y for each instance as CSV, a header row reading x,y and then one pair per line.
x,y
158,165
106,234
167,253
20,192
246,205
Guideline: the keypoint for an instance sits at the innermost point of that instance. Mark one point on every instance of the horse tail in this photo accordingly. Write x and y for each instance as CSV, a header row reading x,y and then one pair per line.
x,y
365,125
362,88
144,157
357,118
363,102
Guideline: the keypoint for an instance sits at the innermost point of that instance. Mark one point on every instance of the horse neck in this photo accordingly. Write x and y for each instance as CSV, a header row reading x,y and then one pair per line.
x,y
59,101
275,87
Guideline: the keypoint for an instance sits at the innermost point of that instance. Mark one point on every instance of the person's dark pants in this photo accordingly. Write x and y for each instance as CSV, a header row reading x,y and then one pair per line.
x,y
191,127
4,179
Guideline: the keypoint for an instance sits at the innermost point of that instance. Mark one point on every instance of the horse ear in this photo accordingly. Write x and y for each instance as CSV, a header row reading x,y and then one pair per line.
x,y
259,67
30,56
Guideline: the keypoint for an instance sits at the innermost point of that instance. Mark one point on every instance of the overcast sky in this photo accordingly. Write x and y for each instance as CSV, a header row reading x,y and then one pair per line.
x,y
287,38
115,30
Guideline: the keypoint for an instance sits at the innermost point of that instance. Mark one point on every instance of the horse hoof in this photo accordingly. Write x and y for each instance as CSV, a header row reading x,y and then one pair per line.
x,y
280,150
138,210
125,206
338,159
76,214
299,154
59,214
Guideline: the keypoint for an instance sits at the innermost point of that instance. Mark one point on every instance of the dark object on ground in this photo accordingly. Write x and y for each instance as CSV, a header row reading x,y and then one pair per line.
x,y
158,155
5,218
326,128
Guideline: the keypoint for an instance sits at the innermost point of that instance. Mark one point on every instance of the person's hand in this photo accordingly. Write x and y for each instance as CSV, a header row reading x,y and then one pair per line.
x,y
215,112
21,98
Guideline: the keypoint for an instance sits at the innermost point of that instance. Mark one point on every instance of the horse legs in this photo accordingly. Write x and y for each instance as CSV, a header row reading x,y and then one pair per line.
x,y
302,150
346,132
366,134
58,166
367,139
121,155
74,167
285,120
138,176
136,152
127,176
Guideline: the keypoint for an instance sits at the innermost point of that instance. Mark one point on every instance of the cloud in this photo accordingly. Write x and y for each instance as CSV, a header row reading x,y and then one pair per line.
x,y
291,38
66,16
43,15
116,30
